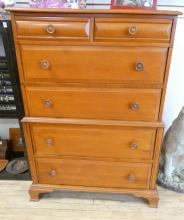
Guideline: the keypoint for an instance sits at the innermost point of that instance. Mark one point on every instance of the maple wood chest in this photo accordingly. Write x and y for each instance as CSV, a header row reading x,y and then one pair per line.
x,y
93,84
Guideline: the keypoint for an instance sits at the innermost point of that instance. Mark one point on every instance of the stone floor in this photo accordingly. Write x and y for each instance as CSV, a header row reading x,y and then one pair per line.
x,y
15,205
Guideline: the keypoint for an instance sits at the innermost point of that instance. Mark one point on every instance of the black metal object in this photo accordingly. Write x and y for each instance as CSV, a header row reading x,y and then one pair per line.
x,y
11,105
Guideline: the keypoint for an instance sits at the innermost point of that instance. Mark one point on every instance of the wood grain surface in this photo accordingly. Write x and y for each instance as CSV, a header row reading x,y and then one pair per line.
x,y
94,84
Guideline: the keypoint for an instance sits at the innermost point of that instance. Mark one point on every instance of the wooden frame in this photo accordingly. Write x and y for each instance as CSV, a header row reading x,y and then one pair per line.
x,y
114,6
36,189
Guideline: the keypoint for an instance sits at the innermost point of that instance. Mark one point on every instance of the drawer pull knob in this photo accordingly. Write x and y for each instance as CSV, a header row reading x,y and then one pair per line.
x,y
44,64
50,29
50,141
134,106
132,30
132,178
133,146
139,66
52,173
47,103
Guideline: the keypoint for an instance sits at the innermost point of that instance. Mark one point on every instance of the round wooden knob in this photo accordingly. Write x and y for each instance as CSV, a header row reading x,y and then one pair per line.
x,y
50,141
52,173
139,66
50,29
44,64
47,103
133,146
131,178
132,30
134,106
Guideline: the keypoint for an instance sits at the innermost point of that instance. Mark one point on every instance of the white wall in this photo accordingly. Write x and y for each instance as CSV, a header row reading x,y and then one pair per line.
x,y
175,92
5,124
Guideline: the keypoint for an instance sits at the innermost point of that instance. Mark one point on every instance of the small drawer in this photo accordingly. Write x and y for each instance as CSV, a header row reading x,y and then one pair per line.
x,y
93,64
93,173
123,29
54,29
83,140
94,103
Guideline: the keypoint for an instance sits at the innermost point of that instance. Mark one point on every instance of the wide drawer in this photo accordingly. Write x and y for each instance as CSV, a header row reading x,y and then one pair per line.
x,y
91,64
93,173
54,29
93,141
123,29
94,103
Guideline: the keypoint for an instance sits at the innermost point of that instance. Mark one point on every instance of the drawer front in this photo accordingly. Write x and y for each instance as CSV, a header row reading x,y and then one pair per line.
x,y
145,30
104,64
93,173
54,29
93,141
94,103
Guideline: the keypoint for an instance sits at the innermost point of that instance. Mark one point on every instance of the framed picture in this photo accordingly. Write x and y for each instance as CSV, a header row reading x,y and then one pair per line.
x,y
134,4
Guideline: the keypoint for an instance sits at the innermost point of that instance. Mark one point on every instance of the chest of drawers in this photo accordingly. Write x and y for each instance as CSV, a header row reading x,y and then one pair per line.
x,y
93,84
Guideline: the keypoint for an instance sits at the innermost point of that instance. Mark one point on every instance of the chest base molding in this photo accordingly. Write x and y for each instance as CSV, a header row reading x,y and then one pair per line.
x,y
150,195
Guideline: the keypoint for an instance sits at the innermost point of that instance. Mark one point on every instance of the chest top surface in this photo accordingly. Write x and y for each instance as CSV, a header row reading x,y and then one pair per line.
x,y
93,9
